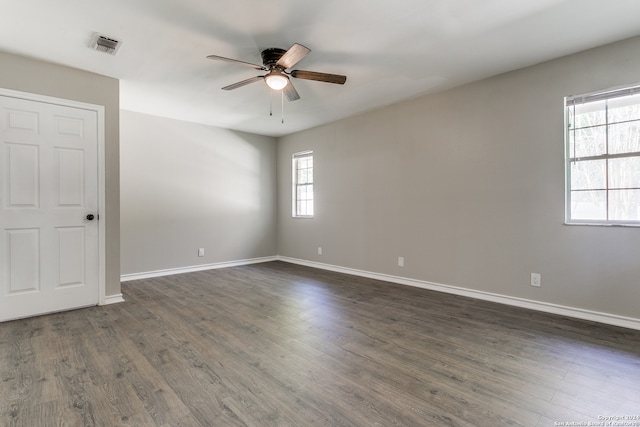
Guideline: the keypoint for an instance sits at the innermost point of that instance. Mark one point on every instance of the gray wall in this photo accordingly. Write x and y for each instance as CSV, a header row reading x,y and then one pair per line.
x,y
187,186
468,186
33,76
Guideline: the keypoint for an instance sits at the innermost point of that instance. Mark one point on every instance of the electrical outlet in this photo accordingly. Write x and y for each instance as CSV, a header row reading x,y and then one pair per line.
x,y
200,251
319,250
400,261
536,279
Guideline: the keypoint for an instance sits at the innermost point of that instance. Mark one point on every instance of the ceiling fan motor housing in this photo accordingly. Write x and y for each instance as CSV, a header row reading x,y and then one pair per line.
x,y
271,56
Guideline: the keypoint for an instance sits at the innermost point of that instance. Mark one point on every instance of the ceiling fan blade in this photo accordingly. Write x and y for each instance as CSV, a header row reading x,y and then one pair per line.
x,y
320,77
290,92
293,56
243,83
235,61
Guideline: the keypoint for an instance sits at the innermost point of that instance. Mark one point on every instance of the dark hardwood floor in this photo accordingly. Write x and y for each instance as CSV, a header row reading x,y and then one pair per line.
x,y
277,344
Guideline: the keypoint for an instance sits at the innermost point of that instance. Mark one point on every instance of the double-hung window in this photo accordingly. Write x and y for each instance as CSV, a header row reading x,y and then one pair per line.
x,y
603,158
303,184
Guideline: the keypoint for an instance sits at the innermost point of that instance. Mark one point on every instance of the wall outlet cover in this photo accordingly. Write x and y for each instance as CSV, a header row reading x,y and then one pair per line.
x,y
536,279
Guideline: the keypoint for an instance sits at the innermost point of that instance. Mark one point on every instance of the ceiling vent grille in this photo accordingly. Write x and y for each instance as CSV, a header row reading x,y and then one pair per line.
x,y
104,44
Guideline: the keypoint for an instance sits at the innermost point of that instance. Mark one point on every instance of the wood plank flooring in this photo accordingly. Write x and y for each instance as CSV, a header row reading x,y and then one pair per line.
x,y
277,344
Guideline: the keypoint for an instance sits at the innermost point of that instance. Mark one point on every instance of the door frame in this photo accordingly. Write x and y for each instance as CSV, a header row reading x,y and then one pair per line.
x,y
99,110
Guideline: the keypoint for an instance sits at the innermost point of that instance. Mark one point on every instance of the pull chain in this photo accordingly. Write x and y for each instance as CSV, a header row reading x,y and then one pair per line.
x,y
281,104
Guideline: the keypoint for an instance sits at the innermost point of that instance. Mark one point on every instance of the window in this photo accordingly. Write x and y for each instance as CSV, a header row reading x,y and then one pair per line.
x,y
603,158
303,184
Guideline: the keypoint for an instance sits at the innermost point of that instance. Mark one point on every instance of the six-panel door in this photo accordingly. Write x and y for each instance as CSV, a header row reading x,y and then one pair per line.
x,y
48,185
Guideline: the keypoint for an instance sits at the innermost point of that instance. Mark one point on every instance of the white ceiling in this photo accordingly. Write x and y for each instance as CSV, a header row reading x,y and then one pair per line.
x,y
390,50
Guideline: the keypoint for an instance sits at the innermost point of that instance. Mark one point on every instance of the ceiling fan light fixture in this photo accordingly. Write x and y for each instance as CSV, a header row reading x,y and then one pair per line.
x,y
276,80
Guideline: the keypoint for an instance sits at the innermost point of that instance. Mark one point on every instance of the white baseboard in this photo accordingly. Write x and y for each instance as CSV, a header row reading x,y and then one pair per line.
x,y
112,299
594,316
202,267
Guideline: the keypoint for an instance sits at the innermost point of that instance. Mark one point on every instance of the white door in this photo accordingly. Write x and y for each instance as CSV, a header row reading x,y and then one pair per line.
x,y
49,245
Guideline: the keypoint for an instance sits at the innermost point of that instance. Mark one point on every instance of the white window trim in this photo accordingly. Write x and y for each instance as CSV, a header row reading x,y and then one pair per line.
x,y
580,99
294,181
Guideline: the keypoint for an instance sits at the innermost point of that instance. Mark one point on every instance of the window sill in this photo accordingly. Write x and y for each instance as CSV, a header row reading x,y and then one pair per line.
x,y
603,224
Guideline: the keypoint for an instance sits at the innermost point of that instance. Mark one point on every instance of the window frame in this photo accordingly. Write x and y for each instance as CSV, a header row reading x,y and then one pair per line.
x,y
569,103
296,157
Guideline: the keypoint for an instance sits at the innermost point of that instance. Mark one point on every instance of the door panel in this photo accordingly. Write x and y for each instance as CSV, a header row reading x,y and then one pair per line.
x,y
69,174
49,251
23,260
71,260
22,174
22,120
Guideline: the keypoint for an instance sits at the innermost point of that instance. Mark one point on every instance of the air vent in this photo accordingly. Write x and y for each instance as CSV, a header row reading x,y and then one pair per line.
x,y
104,44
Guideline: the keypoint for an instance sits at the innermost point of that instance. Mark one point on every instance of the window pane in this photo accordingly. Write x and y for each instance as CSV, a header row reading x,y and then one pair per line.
x,y
624,109
589,114
624,172
588,142
304,208
302,192
624,205
624,138
589,205
302,162
589,175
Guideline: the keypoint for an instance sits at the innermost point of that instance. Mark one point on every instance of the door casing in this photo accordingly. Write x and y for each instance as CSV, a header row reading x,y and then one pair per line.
x,y
100,112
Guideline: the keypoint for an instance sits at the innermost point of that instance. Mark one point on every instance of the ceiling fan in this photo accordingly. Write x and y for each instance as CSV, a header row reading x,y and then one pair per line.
x,y
276,62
